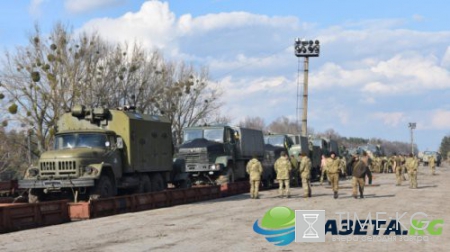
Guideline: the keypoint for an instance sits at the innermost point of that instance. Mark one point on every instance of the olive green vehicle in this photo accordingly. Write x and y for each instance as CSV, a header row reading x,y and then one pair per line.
x,y
100,151
218,154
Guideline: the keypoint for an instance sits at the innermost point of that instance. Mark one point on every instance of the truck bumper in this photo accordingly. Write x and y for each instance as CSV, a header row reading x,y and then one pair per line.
x,y
202,167
56,184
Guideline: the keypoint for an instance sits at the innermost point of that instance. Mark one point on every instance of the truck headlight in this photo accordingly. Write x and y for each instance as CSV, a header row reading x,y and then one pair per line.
x,y
33,172
89,170
212,167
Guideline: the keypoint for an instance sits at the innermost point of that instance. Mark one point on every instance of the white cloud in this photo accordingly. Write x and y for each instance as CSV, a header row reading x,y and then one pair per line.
x,y
392,119
440,119
35,7
79,6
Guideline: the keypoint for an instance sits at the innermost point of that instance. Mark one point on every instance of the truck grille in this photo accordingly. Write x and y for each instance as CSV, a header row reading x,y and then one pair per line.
x,y
195,158
60,168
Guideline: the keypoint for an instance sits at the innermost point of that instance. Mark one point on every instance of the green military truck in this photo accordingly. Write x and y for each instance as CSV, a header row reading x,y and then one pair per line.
x,y
100,151
218,154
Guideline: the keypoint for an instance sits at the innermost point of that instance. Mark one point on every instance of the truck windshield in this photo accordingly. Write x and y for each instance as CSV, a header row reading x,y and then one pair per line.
x,y
274,140
215,134
70,141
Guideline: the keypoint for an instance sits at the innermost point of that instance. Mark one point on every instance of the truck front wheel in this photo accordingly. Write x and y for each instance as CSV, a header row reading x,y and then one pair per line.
x,y
103,188
145,185
157,182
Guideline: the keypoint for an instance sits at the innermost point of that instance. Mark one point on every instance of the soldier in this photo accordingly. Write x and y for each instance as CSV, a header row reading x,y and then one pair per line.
x,y
404,170
305,173
343,166
432,164
398,169
385,164
254,170
332,167
360,171
283,170
323,169
411,165
391,163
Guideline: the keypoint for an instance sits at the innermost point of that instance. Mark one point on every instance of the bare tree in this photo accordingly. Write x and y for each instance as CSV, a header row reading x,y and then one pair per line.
x,y
284,125
55,72
253,123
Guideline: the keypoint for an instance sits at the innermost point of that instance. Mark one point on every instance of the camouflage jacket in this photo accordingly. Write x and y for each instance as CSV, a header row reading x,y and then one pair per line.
x,y
361,170
431,161
333,165
283,168
254,169
305,168
410,164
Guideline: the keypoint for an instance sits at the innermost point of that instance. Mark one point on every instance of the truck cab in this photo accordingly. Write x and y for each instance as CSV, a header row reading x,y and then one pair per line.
x,y
218,154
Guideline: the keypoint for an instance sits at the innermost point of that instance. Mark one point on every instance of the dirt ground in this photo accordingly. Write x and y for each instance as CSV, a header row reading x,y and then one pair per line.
x,y
226,224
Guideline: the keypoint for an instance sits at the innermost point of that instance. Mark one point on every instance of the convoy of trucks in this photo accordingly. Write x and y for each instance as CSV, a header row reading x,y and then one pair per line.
x,y
99,152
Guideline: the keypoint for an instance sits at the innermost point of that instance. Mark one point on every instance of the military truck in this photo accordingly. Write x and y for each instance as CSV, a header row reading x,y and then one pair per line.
x,y
428,154
219,154
99,151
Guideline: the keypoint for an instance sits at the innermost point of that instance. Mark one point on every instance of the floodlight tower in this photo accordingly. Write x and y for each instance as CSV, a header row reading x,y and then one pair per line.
x,y
412,126
305,49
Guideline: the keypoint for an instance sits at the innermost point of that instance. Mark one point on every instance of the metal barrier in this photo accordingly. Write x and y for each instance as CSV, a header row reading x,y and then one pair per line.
x,y
140,202
19,216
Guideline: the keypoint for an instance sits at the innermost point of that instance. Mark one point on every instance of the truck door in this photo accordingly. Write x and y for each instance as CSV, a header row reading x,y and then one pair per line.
x,y
229,142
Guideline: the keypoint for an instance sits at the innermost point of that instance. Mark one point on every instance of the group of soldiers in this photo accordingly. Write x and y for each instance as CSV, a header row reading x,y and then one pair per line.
x,y
359,168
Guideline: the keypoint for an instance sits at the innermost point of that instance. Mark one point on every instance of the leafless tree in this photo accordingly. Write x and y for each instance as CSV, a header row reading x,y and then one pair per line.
x,y
253,123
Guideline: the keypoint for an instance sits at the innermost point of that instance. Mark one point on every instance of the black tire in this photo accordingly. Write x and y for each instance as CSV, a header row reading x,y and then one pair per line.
x,y
104,188
187,183
145,185
268,182
157,182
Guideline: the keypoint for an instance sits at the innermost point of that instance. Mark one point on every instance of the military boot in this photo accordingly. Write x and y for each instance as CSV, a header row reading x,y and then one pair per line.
x,y
335,195
309,194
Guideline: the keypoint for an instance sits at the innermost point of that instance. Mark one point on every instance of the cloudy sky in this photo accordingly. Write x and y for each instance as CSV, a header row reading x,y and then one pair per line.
x,y
382,63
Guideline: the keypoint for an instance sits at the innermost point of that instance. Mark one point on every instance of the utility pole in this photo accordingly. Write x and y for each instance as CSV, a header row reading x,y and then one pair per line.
x,y
305,49
412,126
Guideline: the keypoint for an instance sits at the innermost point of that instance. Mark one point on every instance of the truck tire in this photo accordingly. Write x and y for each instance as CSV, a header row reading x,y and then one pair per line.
x,y
103,188
187,183
145,185
157,183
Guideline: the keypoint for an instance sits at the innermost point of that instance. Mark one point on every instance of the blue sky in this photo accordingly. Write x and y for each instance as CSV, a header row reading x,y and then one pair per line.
x,y
383,64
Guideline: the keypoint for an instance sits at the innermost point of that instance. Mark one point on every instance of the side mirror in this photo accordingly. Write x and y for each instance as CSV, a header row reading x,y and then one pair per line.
x,y
119,143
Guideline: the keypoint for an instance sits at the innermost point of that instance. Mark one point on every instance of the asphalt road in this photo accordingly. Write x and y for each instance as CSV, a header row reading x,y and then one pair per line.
x,y
227,224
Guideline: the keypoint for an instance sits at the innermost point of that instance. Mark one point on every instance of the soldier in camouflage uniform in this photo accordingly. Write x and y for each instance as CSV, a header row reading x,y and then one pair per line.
x,y
323,169
254,170
305,173
343,166
283,169
404,170
432,164
398,169
333,172
360,171
412,164
385,164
